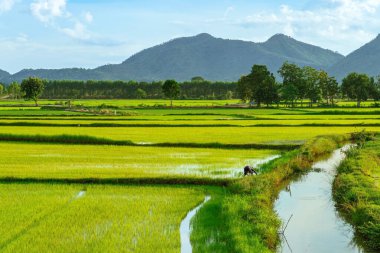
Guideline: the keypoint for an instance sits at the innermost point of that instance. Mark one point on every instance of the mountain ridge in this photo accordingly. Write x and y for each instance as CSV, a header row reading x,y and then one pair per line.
x,y
201,55
365,59
4,74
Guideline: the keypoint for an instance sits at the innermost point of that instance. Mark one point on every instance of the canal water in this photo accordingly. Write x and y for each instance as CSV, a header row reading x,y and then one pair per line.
x,y
315,225
185,228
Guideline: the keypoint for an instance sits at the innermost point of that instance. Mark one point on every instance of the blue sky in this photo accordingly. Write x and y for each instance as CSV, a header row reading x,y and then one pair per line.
x,y
84,33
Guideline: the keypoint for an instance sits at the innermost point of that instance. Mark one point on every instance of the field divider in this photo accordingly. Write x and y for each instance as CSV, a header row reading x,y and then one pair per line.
x,y
90,140
121,181
156,125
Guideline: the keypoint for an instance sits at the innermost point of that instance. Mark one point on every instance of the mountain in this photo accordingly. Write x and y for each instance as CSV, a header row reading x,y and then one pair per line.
x,y
55,74
364,60
201,55
301,52
217,59
4,74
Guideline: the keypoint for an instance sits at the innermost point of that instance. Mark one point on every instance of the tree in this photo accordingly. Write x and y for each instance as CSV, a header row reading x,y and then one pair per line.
x,y
288,94
293,75
311,81
14,90
229,95
1,89
329,87
197,79
356,86
263,85
243,90
270,91
376,89
140,93
171,90
258,86
32,87
332,89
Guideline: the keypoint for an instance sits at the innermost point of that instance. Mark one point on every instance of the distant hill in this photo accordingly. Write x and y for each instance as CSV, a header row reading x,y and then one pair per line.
x,y
4,74
364,60
217,59
54,74
201,55
296,51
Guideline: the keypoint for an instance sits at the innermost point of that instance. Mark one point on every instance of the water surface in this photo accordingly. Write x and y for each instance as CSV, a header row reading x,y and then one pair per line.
x,y
185,229
315,226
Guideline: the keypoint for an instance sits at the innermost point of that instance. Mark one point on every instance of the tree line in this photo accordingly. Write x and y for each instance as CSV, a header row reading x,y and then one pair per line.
x,y
197,88
259,87
304,83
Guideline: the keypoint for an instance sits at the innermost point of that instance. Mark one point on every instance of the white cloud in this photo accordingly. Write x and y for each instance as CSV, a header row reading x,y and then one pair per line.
x,y
88,17
54,13
47,10
228,11
79,31
351,21
6,5
22,38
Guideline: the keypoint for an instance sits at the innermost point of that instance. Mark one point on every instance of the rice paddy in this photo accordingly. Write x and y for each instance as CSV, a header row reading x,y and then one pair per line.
x,y
20,160
226,135
132,172
40,218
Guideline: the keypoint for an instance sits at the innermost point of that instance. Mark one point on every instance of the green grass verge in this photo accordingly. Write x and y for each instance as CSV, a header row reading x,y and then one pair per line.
x,y
244,220
357,192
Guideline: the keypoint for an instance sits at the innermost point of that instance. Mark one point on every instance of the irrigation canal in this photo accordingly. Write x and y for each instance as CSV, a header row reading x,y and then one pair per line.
x,y
315,224
185,229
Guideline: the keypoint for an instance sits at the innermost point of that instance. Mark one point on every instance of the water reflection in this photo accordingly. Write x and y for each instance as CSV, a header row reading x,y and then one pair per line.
x,y
315,225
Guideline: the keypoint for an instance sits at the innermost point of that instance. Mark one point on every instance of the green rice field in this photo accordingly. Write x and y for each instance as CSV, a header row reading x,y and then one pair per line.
x,y
70,218
227,135
121,175
21,160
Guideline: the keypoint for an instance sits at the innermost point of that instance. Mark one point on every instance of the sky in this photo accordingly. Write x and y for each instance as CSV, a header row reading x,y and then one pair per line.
x,y
87,34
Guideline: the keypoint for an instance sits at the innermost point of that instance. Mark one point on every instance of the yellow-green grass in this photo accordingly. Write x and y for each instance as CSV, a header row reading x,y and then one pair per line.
x,y
205,113
240,119
123,102
18,108
354,103
224,135
56,218
48,161
207,123
313,117
196,117
34,112
155,102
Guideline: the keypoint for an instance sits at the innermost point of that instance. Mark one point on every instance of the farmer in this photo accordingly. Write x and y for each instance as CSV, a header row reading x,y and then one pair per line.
x,y
248,170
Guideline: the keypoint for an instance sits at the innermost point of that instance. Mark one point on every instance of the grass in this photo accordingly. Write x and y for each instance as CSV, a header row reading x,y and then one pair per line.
x,y
252,223
123,102
243,220
210,233
152,102
128,162
357,191
223,135
52,161
190,122
37,112
47,218
90,140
